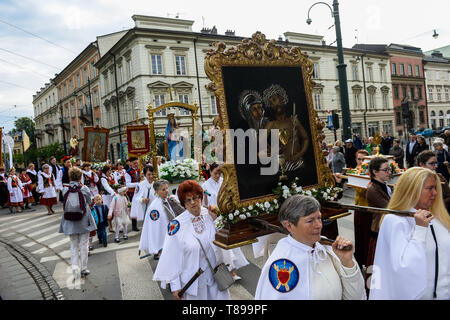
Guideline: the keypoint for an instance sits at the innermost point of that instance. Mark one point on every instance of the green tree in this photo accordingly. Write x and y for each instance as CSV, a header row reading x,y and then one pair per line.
x,y
27,125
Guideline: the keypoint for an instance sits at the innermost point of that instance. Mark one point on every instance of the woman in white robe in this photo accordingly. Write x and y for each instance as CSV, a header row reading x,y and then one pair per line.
x,y
300,268
406,252
15,191
233,258
143,195
182,255
157,217
47,188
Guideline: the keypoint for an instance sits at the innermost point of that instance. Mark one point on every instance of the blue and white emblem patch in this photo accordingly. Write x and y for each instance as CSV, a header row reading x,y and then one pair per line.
x,y
173,227
283,275
154,215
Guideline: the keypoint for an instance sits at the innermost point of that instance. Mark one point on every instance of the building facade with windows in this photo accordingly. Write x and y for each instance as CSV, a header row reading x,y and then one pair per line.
x,y
158,61
46,118
437,78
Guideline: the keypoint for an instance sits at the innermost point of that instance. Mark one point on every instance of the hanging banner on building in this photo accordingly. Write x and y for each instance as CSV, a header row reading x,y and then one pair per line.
x,y
138,140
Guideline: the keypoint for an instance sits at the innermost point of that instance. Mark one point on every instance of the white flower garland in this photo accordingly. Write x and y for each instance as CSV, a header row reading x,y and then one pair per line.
x,y
188,169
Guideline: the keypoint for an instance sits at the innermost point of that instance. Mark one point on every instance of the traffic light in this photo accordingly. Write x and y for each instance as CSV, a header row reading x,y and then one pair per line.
x,y
335,120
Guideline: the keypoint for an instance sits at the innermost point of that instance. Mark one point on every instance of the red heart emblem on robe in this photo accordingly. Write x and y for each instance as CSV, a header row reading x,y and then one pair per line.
x,y
283,276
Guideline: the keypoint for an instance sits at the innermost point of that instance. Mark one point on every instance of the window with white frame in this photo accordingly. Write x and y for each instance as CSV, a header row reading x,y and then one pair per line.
x,y
180,63
394,68
402,69
383,74
316,70
106,82
417,71
369,73
447,97
85,75
93,73
372,100
410,70
385,100
156,60
437,75
185,99
387,126
120,74
357,98
111,80
441,119
438,94
430,93
373,128
78,80
160,100
72,107
95,98
129,68
318,100
213,105
355,72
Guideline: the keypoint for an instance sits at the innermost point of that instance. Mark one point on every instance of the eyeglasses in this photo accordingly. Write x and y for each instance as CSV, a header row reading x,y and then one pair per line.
x,y
193,199
434,163
360,159
385,170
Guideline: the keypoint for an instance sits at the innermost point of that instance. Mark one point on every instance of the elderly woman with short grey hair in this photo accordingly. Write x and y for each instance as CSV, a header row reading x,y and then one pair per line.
x,y
301,268
442,159
338,160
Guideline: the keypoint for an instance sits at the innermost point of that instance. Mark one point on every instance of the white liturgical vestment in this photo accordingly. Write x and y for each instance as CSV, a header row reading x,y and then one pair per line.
x,y
295,271
404,265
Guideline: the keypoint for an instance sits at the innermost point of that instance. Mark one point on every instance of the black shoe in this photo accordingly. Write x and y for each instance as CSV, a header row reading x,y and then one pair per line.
x,y
105,245
156,256
125,237
135,229
84,273
100,241
116,240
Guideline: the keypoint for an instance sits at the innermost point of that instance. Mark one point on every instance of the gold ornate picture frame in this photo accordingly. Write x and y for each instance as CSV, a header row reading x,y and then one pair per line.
x,y
95,147
257,70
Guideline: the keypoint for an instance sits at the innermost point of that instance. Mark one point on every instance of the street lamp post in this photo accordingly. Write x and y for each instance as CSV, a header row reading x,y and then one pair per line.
x,y
346,118
90,101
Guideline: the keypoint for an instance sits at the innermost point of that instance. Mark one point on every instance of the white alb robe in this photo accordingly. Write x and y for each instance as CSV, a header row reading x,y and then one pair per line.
x,y
404,264
50,191
182,257
154,231
234,258
321,275
143,190
15,194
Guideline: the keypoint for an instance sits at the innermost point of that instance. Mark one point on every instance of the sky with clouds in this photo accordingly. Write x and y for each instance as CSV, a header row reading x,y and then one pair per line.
x,y
28,61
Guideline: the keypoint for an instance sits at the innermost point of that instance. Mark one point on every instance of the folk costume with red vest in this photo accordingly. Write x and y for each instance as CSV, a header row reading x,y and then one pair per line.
x,y
132,179
15,192
90,179
107,191
47,187
119,176
27,189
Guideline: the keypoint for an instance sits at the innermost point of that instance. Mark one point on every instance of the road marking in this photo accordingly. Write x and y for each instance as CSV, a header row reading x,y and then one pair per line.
x,y
48,237
135,276
32,224
18,220
55,227
111,247
53,245
238,292
63,276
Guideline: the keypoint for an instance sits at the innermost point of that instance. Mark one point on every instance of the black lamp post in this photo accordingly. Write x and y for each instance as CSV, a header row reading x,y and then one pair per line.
x,y
346,118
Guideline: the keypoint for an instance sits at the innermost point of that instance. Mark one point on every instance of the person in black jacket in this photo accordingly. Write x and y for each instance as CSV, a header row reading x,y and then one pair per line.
x,y
411,150
422,144
350,154
3,187
34,181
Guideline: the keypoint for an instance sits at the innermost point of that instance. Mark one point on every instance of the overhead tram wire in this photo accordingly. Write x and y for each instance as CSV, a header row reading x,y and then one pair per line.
x,y
37,36
25,57
22,67
16,85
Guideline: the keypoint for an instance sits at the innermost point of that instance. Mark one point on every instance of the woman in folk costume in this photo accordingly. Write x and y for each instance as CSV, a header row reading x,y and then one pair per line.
x,y
144,195
119,173
157,217
89,178
118,209
412,257
15,191
234,258
31,172
182,253
47,187
27,190
300,268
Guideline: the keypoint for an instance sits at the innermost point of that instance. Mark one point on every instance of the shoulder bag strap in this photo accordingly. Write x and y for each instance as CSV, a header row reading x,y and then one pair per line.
x,y
209,263
436,262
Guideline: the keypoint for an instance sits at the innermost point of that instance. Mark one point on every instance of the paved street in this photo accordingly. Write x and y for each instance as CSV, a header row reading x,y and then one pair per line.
x,y
116,271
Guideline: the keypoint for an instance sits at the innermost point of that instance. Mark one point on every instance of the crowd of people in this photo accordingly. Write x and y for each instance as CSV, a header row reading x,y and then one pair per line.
x,y
411,252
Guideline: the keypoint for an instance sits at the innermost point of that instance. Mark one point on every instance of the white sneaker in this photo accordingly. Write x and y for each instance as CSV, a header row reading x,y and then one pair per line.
x,y
236,277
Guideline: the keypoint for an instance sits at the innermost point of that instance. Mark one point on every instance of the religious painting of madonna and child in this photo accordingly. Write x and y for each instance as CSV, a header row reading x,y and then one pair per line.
x,y
270,98
138,140
95,144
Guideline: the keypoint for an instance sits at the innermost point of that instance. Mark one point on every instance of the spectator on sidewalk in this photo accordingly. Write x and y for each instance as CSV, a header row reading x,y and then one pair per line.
x,y
350,154
3,188
77,230
338,161
411,150
398,153
446,137
422,145
357,142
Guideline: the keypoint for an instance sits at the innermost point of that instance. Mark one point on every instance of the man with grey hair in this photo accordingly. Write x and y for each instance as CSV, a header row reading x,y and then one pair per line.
x,y
300,268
